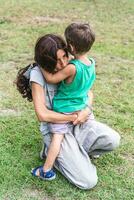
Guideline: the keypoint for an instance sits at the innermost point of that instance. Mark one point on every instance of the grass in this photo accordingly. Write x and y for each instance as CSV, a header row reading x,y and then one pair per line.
x,y
21,23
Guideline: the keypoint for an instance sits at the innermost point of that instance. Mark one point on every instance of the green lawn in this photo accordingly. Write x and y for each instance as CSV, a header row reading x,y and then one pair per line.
x,y
21,23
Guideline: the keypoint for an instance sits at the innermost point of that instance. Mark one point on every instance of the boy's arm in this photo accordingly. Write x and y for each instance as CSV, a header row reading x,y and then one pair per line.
x,y
83,114
68,71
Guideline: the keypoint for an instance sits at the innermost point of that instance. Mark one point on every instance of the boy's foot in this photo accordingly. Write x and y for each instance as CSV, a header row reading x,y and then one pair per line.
x,y
48,175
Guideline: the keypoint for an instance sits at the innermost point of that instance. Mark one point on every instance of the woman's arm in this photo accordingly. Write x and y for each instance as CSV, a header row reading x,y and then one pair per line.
x,y
91,97
68,71
41,110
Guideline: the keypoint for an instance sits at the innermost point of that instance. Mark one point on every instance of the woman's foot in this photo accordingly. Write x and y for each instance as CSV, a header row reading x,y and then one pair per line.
x,y
48,175
94,156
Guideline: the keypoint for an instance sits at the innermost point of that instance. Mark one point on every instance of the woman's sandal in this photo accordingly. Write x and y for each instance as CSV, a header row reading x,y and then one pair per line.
x,y
48,175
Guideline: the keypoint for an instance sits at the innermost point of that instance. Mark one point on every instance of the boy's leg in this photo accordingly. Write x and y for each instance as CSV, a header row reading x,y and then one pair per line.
x,y
45,172
58,131
74,163
97,138
53,151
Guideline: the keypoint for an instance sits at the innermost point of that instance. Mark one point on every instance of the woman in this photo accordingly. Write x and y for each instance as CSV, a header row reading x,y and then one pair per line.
x,y
83,139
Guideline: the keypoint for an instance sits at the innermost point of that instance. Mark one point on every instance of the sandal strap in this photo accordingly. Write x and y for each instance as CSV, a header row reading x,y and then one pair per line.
x,y
41,172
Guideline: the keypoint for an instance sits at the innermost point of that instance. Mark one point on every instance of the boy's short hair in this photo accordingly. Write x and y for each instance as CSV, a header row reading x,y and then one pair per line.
x,y
80,36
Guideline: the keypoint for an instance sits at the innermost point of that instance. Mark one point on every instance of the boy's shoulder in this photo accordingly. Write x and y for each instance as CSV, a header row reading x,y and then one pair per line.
x,y
77,61
92,60
73,61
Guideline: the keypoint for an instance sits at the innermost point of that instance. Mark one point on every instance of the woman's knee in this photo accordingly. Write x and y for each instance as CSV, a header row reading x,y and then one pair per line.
x,y
114,140
87,179
89,182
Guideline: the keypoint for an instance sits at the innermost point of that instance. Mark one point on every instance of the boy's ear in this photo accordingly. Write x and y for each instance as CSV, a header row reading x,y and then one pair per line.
x,y
71,49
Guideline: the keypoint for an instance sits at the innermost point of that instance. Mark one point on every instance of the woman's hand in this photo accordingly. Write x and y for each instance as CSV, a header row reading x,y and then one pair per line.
x,y
82,116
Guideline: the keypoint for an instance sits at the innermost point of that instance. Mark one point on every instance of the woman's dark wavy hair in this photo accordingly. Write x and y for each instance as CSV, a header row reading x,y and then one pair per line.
x,y
22,83
46,51
45,57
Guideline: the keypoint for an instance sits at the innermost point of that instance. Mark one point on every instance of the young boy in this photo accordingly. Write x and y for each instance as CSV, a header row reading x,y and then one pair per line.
x,y
76,80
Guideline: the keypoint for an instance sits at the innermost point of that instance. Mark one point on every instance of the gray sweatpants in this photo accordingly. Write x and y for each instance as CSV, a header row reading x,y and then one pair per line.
x,y
83,140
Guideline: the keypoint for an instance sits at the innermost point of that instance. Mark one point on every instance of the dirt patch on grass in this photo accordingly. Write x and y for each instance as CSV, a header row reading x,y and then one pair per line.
x,y
128,157
34,193
40,20
9,112
7,66
2,95
45,19
4,20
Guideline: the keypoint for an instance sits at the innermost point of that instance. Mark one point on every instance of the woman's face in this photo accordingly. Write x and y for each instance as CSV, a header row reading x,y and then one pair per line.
x,y
62,60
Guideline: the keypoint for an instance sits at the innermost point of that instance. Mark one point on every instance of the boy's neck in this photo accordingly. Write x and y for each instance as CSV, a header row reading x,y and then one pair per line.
x,y
83,58
80,56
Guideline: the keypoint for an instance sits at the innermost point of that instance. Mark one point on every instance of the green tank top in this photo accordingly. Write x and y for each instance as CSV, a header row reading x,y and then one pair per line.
x,y
73,96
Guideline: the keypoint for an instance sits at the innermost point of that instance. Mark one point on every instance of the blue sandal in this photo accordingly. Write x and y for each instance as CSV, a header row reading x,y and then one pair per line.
x,y
48,175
